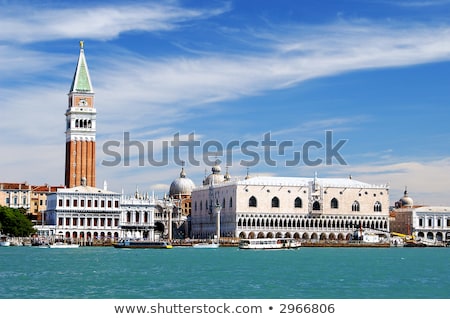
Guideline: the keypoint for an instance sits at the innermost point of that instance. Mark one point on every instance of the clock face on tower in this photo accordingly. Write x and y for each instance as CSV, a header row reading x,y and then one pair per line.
x,y
82,102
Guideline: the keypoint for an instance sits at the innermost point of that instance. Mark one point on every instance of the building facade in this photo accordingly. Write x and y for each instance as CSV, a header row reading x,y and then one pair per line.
x,y
84,214
306,208
80,127
431,224
32,199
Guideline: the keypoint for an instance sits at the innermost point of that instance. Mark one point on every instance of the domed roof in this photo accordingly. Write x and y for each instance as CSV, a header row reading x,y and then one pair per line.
x,y
406,201
215,177
182,185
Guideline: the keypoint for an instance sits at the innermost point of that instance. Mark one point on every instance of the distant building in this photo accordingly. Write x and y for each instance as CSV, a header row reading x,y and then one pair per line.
x,y
31,198
432,224
84,214
137,219
296,207
180,192
401,220
429,224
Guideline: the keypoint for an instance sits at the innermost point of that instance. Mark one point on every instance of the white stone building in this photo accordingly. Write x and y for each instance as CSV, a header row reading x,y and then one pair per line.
x,y
137,218
431,224
297,207
84,214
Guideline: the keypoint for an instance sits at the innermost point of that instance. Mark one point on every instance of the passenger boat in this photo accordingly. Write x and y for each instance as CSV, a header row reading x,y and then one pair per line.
x,y
269,243
63,245
142,244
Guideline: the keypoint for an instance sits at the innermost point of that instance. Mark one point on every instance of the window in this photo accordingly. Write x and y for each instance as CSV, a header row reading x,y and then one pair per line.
x,y
334,203
60,202
298,202
430,222
275,202
316,205
355,206
231,202
89,202
75,203
82,203
377,207
252,201
421,222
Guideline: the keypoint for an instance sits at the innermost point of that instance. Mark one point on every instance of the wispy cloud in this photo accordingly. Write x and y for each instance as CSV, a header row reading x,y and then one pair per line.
x,y
22,23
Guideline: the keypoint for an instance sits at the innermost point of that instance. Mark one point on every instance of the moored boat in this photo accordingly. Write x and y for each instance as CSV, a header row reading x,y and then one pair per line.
x,y
206,245
142,244
63,245
4,241
269,243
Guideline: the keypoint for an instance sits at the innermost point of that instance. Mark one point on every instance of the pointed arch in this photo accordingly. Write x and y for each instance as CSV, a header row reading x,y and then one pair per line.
x,y
275,202
316,205
252,202
334,203
355,206
377,207
298,203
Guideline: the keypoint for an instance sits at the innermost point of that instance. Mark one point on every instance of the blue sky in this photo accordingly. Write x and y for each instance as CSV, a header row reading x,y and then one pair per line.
x,y
375,73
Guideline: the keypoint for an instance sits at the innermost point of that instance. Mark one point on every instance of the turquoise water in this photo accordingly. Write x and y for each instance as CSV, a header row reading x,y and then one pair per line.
x,y
105,272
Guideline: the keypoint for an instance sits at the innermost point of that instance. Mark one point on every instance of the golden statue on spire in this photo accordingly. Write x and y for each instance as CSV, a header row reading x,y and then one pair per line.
x,y
81,44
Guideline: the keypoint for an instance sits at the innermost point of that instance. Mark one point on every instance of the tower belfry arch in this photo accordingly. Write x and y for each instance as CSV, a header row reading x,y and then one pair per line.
x,y
80,127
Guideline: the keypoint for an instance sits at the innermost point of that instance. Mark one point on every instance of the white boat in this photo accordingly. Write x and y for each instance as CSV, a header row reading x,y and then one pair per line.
x,y
63,245
142,244
4,242
206,245
269,243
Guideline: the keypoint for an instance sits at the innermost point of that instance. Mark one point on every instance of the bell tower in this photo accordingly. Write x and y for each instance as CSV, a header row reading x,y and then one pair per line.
x,y
80,127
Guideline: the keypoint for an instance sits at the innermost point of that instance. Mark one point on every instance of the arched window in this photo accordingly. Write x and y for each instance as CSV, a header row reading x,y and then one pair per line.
x,y
298,202
231,202
275,202
223,203
252,201
334,203
355,206
377,207
316,205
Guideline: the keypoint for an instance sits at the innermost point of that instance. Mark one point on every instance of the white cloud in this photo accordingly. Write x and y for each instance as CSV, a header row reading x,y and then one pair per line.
x,y
19,23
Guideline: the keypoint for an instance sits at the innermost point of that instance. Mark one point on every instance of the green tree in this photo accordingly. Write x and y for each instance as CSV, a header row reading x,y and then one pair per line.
x,y
14,223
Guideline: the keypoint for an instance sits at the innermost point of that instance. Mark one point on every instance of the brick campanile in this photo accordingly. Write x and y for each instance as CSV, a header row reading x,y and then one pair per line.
x,y
80,128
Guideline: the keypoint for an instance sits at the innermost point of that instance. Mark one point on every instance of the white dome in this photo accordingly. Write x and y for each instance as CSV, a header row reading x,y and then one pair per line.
x,y
182,185
215,177
406,201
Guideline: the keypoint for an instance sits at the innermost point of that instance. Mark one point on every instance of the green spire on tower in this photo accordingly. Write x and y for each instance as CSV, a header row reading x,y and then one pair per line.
x,y
81,80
